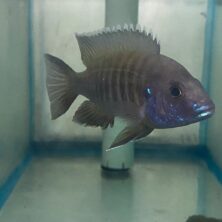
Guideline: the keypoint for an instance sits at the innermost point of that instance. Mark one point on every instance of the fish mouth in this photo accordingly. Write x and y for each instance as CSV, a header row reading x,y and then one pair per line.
x,y
205,111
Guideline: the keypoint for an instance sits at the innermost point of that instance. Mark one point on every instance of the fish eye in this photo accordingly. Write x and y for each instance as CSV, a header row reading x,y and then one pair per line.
x,y
175,91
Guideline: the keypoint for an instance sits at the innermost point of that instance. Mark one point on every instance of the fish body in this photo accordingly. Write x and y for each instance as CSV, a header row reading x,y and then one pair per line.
x,y
126,76
116,83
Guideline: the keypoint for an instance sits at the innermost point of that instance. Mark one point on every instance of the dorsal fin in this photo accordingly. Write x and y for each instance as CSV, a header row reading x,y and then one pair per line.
x,y
118,39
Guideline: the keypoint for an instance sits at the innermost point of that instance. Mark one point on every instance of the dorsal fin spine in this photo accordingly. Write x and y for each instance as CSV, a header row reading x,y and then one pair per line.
x,y
128,38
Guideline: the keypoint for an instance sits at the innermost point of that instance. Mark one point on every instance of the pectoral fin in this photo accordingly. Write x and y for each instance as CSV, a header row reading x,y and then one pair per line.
x,y
91,115
131,133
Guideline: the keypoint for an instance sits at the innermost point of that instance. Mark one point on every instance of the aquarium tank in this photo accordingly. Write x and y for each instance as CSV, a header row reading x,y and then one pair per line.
x,y
55,169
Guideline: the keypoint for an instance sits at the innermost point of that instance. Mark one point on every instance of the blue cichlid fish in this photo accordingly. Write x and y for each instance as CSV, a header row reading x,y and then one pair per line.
x,y
126,76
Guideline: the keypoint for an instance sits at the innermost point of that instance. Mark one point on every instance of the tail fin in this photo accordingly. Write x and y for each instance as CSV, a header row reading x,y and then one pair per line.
x,y
60,87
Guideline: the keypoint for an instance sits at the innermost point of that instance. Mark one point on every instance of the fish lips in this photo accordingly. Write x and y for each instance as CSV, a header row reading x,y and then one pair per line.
x,y
205,111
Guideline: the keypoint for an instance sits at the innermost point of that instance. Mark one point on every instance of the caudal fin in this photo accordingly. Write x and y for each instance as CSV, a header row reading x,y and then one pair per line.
x,y
60,87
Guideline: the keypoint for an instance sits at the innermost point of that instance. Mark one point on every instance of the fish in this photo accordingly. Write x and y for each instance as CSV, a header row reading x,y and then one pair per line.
x,y
126,76
201,218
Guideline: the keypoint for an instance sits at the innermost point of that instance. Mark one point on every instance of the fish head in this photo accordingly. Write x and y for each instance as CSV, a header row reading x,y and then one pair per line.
x,y
173,97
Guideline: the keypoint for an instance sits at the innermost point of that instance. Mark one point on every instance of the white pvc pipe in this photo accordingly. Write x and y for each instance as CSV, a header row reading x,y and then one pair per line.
x,y
118,13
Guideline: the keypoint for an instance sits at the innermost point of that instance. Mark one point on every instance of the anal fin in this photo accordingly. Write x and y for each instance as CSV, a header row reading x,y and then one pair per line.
x,y
129,133
89,114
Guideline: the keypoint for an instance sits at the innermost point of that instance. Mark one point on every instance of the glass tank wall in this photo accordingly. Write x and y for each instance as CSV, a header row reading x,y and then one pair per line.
x,y
177,172
14,85
213,134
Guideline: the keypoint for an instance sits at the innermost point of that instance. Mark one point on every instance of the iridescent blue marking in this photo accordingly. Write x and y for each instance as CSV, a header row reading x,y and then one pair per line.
x,y
180,118
171,118
167,115
149,91
204,114
199,108
194,106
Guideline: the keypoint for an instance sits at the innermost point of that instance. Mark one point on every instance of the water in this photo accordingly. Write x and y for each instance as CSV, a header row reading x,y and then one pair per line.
x,y
54,166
